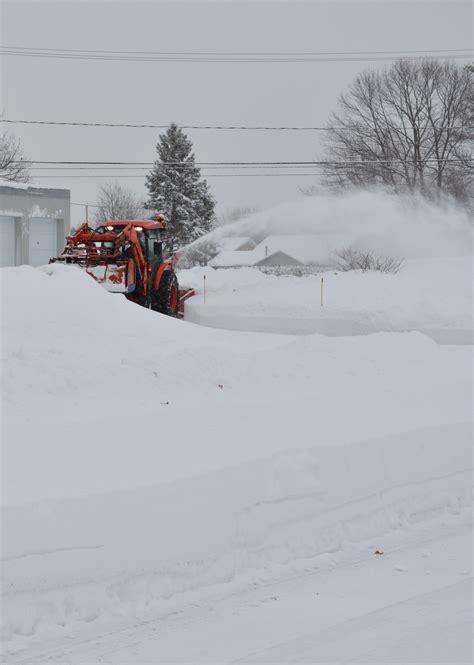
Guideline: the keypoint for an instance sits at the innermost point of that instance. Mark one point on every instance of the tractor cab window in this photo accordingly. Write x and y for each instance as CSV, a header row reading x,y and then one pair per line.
x,y
142,239
155,248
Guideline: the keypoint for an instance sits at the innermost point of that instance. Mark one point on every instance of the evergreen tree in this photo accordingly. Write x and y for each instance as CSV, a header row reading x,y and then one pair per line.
x,y
177,191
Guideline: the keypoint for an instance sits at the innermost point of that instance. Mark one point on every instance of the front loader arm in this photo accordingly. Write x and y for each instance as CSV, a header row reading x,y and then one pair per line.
x,y
131,235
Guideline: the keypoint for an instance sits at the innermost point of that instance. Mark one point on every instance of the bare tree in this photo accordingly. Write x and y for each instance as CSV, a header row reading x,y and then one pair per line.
x,y
408,127
351,259
13,165
117,202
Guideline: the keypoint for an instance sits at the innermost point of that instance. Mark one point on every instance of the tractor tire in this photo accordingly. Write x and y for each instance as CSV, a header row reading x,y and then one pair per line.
x,y
167,295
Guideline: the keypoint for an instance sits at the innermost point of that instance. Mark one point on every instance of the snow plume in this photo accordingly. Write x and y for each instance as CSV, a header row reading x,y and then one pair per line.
x,y
378,221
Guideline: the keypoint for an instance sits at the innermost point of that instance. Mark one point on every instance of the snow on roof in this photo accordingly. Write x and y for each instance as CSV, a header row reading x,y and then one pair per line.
x,y
233,243
29,185
307,249
278,258
316,249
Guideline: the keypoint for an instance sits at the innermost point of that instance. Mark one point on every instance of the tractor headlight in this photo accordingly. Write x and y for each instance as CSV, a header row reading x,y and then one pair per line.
x,y
138,229
109,228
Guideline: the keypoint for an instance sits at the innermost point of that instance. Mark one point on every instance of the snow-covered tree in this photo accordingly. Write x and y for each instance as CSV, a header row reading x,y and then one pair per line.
x,y
177,191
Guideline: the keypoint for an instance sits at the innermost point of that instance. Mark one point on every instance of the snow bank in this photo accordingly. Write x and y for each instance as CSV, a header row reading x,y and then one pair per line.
x,y
376,221
89,377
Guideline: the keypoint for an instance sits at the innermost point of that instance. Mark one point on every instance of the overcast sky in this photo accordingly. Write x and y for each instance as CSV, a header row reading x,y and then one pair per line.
x,y
201,93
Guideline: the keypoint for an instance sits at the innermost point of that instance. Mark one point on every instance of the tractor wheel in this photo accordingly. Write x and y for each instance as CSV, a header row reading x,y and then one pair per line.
x,y
167,296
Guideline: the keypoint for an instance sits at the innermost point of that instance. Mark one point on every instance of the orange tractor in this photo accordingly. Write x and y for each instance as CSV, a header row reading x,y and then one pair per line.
x,y
127,257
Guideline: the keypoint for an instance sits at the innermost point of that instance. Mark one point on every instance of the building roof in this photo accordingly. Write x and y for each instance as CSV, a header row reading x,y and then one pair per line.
x,y
28,186
304,249
278,258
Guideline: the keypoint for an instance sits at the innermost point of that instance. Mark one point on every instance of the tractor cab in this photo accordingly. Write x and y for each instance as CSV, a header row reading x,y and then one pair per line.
x,y
149,234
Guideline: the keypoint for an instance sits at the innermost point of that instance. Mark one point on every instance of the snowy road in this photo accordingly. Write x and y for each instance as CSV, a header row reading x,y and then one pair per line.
x,y
410,605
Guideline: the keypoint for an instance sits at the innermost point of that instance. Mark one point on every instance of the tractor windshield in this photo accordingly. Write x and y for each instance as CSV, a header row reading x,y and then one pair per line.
x,y
110,228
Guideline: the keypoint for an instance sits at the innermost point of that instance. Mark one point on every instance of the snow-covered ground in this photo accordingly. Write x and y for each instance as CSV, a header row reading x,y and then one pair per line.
x,y
413,604
176,492
433,296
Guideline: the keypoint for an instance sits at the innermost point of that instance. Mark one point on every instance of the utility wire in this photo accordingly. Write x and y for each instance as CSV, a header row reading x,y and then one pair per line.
x,y
255,163
230,53
72,169
209,175
222,57
217,127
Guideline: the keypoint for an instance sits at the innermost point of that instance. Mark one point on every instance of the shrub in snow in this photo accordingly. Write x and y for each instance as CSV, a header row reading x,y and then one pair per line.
x,y
352,259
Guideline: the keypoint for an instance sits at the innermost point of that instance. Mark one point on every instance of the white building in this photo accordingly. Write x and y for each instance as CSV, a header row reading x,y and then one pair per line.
x,y
34,222
281,251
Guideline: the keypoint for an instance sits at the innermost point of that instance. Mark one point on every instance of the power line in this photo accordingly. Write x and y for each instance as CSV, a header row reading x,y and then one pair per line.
x,y
170,163
150,126
145,168
252,163
228,57
209,175
216,127
230,53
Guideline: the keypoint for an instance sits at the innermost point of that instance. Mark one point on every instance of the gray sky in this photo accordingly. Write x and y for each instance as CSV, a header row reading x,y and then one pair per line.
x,y
201,93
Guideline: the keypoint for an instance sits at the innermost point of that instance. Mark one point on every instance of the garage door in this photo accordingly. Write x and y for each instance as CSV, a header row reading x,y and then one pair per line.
x,y
43,240
7,241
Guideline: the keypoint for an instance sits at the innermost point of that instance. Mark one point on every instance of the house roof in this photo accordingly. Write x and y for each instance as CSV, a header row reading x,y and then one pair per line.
x,y
278,258
305,249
